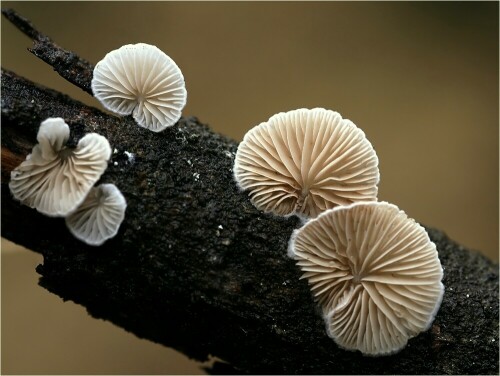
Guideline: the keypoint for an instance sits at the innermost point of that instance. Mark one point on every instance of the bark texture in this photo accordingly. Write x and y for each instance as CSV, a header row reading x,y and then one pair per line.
x,y
196,267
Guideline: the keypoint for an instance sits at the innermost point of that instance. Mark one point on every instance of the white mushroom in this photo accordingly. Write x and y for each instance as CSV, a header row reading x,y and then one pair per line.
x,y
375,273
141,80
55,179
99,217
306,161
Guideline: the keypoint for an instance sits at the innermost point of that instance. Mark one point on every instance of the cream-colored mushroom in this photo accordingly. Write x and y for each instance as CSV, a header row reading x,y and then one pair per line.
x,y
141,80
306,161
375,273
100,215
54,178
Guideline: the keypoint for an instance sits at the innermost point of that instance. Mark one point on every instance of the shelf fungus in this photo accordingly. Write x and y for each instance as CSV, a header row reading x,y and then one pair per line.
x,y
99,216
375,273
55,178
304,162
141,80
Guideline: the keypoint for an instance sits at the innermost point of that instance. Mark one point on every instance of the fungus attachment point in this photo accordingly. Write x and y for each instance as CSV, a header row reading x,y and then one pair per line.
x,y
375,273
306,161
99,217
141,80
55,179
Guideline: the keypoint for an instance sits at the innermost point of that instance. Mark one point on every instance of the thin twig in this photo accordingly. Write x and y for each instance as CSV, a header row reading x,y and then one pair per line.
x,y
65,62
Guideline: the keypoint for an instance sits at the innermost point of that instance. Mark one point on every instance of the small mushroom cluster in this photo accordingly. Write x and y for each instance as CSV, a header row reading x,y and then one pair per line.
x,y
58,181
374,271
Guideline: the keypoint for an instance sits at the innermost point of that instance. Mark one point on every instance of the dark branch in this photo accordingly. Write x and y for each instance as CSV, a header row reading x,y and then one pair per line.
x,y
24,25
68,64
196,267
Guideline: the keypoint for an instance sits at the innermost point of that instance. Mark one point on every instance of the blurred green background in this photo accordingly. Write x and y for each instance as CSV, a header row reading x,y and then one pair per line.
x,y
421,79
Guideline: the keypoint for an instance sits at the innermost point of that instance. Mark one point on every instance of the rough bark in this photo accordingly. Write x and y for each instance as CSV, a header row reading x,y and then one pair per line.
x,y
196,267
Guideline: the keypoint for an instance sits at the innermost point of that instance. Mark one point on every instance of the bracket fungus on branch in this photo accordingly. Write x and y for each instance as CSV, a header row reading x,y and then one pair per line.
x,y
54,178
375,273
99,216
141,80
306,161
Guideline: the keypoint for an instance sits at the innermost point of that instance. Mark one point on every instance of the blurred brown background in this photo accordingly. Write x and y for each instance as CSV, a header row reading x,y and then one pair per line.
x,y
421,79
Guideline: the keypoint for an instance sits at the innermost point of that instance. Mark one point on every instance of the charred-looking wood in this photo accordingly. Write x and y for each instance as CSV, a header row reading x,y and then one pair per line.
x,y
67,63
196,267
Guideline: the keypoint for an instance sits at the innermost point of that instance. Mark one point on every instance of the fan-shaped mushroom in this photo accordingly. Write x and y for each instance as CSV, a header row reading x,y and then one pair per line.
x,y
54,178
99,217
141,80
375,273
306,161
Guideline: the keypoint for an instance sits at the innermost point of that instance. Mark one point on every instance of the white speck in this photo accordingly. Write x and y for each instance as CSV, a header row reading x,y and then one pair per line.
x,y
284,283
115,151
196,176
451,288
189,162
493,340
220,227
32,101
228,154
467,295
115,163
130,156
217,233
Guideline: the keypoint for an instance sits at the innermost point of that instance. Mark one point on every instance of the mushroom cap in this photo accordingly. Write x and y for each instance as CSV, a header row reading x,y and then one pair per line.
x,y
99,216
55,179
141,80
306,161
375,273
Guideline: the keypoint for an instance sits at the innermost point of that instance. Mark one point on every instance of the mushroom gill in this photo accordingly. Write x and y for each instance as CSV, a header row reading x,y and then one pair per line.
x,y
99,216
375,273
306,161
54,178
141,80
